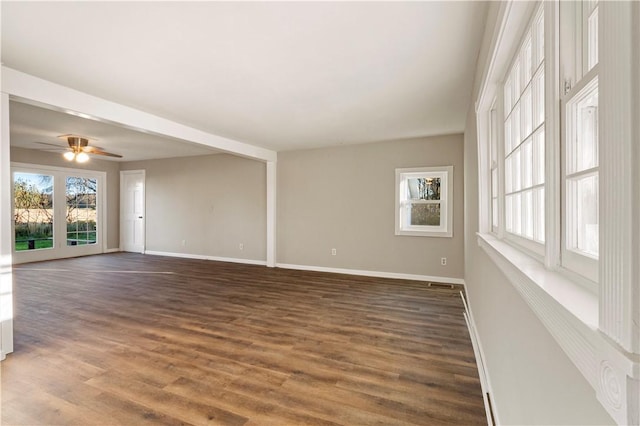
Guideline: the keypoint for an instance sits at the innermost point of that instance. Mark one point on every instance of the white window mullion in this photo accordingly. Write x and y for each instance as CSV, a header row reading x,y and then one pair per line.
x,y
552,147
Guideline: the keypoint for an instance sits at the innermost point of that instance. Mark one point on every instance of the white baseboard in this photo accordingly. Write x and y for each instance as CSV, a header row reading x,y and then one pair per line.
x,y
483,373
378,274
113,250
204,257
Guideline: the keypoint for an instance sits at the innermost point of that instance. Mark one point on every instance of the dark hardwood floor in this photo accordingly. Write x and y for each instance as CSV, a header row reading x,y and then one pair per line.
x,y
133,339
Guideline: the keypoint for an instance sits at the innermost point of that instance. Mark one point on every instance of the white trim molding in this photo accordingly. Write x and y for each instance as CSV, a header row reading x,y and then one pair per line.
x,y
113,250
490,407
377,274
205,257
271,213
6,237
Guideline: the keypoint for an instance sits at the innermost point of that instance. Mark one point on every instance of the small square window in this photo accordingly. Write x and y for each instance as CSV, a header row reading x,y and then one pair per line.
x,y
424,199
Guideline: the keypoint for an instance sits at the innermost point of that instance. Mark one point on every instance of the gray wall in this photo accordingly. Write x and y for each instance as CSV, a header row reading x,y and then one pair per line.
x,y
344,198
112,168
212,202
533,381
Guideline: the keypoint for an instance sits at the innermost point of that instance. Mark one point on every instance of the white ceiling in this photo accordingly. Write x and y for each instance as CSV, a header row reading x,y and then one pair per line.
x,y
33,127
282,75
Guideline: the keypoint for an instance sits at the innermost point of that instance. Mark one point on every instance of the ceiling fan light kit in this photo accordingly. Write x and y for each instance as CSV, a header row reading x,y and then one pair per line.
x,y
79,149
80,157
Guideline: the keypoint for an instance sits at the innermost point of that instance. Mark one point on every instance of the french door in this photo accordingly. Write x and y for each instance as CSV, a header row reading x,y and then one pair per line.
x,y
58,212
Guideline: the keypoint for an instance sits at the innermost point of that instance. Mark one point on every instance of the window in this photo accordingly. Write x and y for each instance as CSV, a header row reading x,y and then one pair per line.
x,y
495,182
81,210
33,211
524,141
423,201
590,32
580,171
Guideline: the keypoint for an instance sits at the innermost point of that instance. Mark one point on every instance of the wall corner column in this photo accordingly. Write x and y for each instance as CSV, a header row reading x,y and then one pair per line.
x,y
619,291
6,276
271,213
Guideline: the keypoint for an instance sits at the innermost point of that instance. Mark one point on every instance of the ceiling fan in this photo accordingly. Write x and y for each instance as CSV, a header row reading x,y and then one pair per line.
x,y
79,149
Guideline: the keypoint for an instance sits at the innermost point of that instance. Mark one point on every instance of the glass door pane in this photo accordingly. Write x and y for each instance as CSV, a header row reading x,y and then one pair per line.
x,y
33,211
82,214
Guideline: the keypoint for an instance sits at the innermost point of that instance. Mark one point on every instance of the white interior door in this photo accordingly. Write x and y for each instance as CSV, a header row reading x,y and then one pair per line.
x,y
132,214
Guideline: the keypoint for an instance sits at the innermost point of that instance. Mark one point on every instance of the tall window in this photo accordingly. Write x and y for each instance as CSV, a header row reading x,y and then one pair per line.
x,y
580,173
495,179
33,211
524,138
81,194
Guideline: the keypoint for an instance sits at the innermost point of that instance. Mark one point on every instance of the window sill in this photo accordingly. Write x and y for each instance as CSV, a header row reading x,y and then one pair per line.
x,y
567,310
573,297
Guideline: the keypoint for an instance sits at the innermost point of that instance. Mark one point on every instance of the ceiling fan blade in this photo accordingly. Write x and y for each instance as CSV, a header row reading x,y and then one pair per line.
x,y
54,145
90,149
105,153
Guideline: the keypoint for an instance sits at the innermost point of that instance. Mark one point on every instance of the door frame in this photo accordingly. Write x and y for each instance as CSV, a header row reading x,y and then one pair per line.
x,y
144,206
60,251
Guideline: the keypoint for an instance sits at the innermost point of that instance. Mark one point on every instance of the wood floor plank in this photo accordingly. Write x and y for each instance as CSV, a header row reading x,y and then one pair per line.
x,y
129,339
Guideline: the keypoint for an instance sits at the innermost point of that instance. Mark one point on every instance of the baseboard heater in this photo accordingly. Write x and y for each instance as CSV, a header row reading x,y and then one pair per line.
x,y
486,396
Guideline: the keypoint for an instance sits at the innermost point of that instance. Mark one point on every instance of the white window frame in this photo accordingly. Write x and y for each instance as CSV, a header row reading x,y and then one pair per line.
x,y
445,174
506,98
578,71
584,267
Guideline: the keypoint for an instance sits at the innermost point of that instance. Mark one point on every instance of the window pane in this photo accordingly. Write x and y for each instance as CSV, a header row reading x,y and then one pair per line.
x,y
517,214
539,34
33,211
525,112
527,214
516,86
424,188
494,183
508,96
538,98
515,126
494,213
425,214
493,129
538,157
81,194
508,175
592,39
507,136
539,214
516,166
525,56
582,233
508,213
582,143
527,161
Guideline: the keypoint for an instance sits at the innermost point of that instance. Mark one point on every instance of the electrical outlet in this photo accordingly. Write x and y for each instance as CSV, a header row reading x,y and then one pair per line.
x,y
184,243
241,246
443,261
333,252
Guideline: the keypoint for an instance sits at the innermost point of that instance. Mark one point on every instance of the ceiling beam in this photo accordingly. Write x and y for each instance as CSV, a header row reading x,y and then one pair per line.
x,y
29,89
